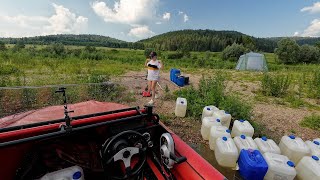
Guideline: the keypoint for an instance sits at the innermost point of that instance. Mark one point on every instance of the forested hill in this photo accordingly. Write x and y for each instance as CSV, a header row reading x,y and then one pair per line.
x,y
77,40
206,40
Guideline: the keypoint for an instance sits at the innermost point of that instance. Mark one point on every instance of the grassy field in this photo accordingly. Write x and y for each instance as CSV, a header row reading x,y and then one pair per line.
x,y
294,86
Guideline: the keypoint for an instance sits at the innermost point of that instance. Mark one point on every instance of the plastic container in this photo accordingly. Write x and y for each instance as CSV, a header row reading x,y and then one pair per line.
x,y
309,168
242,127
279,167
216,132
208,111
180,81
267,145
224,117
314,146
70,173
226,152
294,148
252,165
181,107
245,142
207,123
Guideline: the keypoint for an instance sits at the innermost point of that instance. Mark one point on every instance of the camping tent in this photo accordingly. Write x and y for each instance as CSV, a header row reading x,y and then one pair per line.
x,y
252,61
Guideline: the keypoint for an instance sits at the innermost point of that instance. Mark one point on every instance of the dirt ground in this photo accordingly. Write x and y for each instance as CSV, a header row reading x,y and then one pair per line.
x,y
277,119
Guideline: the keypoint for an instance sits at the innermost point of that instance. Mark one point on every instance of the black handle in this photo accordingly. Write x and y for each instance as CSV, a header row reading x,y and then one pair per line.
x,y
177,159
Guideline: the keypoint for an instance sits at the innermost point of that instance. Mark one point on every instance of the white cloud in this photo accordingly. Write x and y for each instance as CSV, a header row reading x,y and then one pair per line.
x,y
296,33
166,16
185,18
141,32
313,30
158,22
63,21
312,9
126,11
180,12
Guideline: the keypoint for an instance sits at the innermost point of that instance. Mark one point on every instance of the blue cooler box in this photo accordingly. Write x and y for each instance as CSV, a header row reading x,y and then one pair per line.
x,y
180,81
252,165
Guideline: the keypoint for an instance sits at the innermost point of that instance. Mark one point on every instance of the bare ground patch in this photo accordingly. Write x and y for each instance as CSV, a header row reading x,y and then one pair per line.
x,y
277,119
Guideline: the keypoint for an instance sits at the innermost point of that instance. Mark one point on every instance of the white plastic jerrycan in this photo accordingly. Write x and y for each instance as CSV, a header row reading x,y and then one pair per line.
x,y
226,152
70,173
314,146
208,111
216,132
224,117
245,142
279,167
242,127
309,168
267,145
208,122
294,148
181,107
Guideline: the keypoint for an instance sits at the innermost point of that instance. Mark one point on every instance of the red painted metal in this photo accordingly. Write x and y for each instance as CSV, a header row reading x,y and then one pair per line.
x,y
29,132
195,163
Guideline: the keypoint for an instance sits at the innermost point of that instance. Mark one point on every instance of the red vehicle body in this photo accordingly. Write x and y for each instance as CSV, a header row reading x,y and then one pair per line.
x,y
32,140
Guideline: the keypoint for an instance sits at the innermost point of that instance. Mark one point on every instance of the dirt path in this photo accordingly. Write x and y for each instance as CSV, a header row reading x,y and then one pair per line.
x,y
278,120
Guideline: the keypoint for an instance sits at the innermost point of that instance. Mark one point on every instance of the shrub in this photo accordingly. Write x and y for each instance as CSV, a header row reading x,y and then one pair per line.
x,y
233,52
275,85
175,55
211,92
312,122
314,85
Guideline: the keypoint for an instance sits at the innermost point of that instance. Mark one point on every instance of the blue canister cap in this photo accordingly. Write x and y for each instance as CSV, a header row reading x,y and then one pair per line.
x,y
224,138
77,175
218,120
264,138
209,109
228,131
182,102
292,137
290,163
241,120
315,158
316,142
243,136
226,112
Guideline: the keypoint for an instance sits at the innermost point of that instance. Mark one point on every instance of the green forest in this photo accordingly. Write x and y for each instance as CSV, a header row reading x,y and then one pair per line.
x,y
183,40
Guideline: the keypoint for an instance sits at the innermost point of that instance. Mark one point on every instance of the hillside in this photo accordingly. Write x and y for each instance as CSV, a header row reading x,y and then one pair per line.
x,y
189,40
206,40
66,39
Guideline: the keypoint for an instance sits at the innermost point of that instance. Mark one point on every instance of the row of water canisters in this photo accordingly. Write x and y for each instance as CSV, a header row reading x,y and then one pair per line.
x,y
259,158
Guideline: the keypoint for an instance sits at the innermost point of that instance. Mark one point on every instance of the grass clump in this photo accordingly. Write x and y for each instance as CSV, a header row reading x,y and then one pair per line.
x,y
276,85
312,122
211,92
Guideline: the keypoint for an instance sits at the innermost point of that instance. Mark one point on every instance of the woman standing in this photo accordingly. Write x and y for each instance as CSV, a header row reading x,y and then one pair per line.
x,y
154,65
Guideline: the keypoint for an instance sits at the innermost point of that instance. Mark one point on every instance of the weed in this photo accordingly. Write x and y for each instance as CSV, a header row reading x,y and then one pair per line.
x,y
276,85
312,122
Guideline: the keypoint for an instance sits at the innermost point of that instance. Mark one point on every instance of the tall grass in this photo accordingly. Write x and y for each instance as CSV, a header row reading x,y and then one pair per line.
x,y
276,85
211,91
312,122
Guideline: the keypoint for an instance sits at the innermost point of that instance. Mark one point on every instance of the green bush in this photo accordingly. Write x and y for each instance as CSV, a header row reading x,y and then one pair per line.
x,y
276,85
175,55
211,92
233,52
312,122
314,85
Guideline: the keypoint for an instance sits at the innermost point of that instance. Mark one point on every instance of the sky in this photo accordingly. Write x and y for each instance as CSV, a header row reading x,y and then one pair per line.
x,y
132,20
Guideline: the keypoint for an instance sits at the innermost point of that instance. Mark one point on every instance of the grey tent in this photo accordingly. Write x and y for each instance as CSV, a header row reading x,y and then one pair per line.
x,y
252,61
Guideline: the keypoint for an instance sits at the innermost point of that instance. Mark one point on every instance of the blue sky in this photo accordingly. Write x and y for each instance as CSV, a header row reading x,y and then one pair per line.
x,y
132,20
